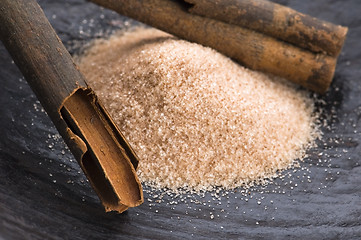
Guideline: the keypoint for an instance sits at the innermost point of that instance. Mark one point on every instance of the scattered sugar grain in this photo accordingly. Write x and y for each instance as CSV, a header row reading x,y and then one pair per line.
x,y
195,118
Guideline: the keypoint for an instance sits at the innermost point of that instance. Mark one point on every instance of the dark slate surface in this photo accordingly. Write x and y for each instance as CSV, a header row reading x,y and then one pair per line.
x,y
44,194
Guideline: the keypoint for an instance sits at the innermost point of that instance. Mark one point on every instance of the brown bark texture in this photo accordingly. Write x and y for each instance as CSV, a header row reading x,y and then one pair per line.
x,y
277,21
250,48
101,150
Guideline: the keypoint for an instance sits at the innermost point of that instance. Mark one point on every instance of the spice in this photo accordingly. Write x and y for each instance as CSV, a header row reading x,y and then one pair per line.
x,y
275,20
256,50
81,120
195,118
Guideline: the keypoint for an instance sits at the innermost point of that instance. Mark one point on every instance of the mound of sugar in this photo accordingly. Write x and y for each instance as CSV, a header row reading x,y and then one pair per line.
x,y
195,118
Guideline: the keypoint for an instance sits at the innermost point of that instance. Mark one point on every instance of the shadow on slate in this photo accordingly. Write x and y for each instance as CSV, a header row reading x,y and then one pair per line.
x,y
44,194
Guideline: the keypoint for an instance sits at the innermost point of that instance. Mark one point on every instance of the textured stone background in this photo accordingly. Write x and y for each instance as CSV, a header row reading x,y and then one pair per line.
x,y
44,194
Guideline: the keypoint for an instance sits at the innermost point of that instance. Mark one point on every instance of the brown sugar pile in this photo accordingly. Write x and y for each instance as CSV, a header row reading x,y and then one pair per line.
x,y
195,118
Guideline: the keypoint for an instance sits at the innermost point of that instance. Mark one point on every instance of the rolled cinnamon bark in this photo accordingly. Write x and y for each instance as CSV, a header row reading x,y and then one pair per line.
x,y
277,21
252,49
101,150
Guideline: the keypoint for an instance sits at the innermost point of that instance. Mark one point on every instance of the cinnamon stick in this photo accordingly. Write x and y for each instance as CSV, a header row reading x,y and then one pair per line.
x,y
101,150
277,21
252,49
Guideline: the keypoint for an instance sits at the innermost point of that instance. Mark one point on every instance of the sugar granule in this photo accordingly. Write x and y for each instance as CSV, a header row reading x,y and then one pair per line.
x,y
196,119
